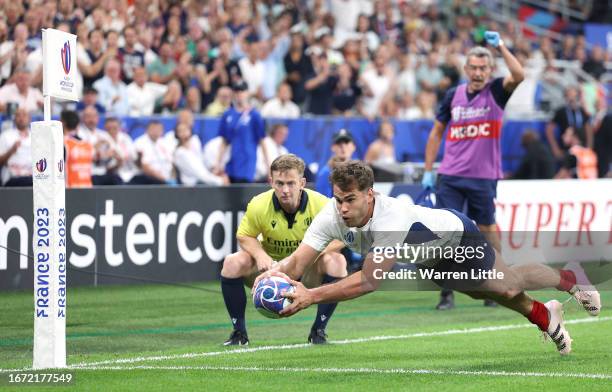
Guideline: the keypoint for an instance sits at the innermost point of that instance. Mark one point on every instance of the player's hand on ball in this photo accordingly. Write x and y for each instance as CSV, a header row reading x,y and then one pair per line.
x,y
301,298
492,38
269,274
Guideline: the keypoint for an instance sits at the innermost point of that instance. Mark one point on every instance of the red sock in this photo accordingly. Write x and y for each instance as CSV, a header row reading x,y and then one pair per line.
x,y
539,315
568,280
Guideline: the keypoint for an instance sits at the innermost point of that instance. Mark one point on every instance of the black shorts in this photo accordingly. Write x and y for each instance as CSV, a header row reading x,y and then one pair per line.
x,y
481,260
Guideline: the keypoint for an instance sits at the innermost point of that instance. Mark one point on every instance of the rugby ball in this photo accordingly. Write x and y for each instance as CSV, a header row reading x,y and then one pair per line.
x,y
268,296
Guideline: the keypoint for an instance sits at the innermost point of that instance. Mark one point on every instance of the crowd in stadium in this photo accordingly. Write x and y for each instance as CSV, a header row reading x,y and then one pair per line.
x,y
284,58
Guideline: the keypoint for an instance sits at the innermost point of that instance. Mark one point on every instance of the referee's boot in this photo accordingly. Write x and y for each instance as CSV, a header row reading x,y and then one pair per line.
x,y
317,336
237,338
447,300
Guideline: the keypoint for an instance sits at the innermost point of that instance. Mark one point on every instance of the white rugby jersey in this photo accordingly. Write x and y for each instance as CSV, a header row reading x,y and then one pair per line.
x,y
391,223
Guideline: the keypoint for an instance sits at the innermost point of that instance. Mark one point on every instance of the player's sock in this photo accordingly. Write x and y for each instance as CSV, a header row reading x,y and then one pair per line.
x,y
324,311
568,280
539,315
235,301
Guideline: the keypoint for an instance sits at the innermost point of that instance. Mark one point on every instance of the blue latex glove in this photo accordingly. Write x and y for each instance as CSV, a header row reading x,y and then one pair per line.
x,y
428,180
171,182
492,38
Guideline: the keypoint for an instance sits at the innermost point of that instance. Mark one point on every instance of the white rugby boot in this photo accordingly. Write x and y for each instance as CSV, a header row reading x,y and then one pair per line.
x,y
584,291
556,330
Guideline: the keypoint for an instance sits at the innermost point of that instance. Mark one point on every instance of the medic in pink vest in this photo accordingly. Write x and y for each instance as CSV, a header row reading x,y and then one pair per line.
x,y
470,120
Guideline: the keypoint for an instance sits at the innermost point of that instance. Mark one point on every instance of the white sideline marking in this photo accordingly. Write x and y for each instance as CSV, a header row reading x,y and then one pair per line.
x,y
85,365
345,341
361,370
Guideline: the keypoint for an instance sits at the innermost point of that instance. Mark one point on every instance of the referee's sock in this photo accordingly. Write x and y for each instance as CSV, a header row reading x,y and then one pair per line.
x,y
235,301
324,311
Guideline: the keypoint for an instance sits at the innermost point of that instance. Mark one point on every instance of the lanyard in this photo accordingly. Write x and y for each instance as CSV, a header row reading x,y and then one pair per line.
x,y
576,115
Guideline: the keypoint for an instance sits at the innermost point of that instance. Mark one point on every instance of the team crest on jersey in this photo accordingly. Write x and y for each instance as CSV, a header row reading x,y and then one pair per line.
x,y
308,221
349,237
273,223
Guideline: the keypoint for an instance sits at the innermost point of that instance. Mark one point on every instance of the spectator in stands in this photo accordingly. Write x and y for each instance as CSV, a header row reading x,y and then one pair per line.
x,y
130,57
538,162
33,21
67,13
123,151
366,33
112,91
93,66
252,69
595,64
281,106
189,165
572,115
579,162
144,96
19,93
429,75
320,84
297,66
155,158
424,107
274,145
325,40
406,79
347,92
89,132
184,117
162,69
90,98
242,127
16,152
13,53
222,71
343,148
6,53
451,71
382,151
378,83
222,102
552,84
272,53
79,153
602,127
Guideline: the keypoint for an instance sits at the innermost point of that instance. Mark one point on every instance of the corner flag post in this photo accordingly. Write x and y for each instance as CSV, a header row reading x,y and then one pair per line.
x,y
50,229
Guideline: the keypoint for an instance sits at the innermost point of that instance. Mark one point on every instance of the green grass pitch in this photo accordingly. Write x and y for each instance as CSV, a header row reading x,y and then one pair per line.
x,y
165,338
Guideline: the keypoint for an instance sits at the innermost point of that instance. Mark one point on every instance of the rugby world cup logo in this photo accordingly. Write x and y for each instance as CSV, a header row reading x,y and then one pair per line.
x,y
66,58
41,165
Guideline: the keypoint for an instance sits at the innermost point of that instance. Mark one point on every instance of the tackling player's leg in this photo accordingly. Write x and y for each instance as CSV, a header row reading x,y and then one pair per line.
x,y
510,291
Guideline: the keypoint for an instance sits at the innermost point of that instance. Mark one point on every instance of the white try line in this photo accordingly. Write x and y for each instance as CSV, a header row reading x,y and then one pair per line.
x,y
360,370
345,341
110,363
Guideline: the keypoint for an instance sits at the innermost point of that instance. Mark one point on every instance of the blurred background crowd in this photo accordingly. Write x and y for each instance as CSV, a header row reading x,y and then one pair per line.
x,y
369,58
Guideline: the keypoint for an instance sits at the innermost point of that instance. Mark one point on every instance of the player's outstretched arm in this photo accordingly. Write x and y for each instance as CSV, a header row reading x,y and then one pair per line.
x,y
292,266
355,285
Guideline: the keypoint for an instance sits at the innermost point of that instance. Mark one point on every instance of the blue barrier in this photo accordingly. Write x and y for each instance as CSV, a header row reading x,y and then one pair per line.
x,y
310,137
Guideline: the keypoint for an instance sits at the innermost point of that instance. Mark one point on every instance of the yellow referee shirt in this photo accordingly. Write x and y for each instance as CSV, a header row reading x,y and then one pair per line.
x,y
281,232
